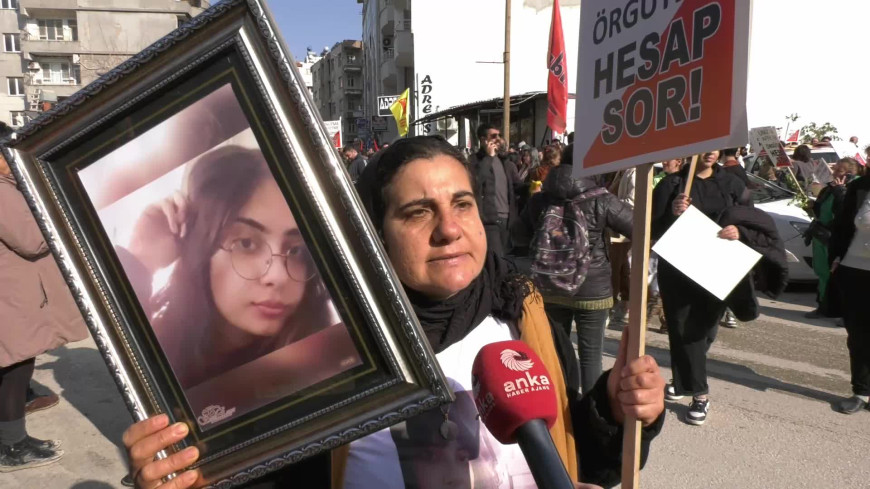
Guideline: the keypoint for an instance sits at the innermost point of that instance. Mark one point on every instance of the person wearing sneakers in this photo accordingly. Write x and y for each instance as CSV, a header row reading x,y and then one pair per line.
x,y
692,313
849,251
38,313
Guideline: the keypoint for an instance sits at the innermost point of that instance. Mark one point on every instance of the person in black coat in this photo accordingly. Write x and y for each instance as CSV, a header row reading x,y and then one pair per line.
x,y
495,181
590,305
849,253
693,313
825,209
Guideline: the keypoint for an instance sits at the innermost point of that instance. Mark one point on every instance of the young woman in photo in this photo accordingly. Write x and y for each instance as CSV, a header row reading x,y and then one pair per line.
x,y
243,284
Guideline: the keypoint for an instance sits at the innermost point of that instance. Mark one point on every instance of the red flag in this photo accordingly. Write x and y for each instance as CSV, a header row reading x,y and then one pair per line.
x,y
794,138
557,82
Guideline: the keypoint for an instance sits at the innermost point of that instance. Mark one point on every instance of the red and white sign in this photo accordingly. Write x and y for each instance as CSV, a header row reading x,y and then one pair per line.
x,y
795,137
659,80
333,128
766,141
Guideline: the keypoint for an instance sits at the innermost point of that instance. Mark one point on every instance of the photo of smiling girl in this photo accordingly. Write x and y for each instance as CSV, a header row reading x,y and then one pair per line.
x,y
222,271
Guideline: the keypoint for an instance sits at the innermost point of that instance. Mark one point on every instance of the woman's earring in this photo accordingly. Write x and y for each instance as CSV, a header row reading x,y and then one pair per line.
x,y
448,428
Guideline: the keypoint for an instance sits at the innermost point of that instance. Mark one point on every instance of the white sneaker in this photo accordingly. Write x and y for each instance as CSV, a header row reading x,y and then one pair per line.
x,y
671,393
697,414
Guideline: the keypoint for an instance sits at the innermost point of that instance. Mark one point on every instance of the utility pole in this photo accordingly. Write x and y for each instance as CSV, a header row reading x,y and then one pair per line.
x,y
506,131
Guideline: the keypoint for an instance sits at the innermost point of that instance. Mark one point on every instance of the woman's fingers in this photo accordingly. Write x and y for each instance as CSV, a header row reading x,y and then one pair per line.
x,y
143,429
143,451
170,212
181,206
177,462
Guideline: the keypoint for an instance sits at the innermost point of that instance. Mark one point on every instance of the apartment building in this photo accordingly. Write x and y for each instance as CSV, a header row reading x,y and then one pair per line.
x,y
52,48
338,88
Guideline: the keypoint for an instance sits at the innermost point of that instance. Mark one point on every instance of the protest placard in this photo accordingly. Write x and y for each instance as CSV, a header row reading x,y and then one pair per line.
x,y
767,139
659,79
333,128
692,240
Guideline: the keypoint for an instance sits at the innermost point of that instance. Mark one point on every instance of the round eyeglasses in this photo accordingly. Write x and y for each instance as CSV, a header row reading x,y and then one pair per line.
x,y
252,257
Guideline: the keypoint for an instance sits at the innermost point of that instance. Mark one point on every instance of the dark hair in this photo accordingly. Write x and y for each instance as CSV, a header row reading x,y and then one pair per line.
x,y
483,129
379,173
851,163
803,153
730,152
826,139
348,147
219,185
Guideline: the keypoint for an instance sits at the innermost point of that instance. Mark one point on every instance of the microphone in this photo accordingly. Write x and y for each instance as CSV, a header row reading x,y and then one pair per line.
x,y
517,403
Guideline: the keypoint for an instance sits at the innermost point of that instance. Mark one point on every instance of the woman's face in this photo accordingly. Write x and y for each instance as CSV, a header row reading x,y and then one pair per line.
x,y
260,306
671,166
840,170
432,228
709,159
526,158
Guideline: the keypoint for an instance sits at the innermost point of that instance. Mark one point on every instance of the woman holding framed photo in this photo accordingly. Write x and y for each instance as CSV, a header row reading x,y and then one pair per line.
x,y
420,196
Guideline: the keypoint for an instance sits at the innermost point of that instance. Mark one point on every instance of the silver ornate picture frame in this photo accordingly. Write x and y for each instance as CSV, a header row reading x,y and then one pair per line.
x,y
171,191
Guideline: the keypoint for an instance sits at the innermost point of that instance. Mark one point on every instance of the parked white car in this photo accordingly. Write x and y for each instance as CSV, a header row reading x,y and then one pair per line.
x,y
791,222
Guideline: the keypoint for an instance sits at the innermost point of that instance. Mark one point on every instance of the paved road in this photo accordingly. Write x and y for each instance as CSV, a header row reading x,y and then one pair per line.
x,y
770,425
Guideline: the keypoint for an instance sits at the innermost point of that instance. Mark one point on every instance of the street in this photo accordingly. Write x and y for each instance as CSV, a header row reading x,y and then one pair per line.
x,y
770,424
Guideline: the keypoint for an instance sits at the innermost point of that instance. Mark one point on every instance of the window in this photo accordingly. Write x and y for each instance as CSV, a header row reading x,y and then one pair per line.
x,y
13,4
18,118
15,85
12,43
57,72
54,29
73,26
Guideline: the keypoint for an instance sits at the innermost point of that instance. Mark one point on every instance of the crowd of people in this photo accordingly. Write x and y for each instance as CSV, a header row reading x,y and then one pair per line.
x,y
502,243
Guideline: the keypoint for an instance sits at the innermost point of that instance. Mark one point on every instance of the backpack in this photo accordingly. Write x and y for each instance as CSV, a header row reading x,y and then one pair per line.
x,y
560,249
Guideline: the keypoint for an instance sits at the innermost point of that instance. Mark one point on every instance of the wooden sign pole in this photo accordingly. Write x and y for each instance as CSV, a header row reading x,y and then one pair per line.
x,y
640,241
693,167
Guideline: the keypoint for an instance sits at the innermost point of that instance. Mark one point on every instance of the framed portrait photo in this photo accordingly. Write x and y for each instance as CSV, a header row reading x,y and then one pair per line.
x,y
213,241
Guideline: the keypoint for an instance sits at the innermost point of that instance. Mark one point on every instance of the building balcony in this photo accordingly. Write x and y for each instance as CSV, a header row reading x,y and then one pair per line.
x,y
353,114
354,67
158,5
50,92
353,91
48,4
39,47
387,19
404,48
388,68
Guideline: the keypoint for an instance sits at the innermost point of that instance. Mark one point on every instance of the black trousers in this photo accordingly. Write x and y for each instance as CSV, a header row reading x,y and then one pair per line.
x,y
590,338
693,316
14,381
497,237
854,286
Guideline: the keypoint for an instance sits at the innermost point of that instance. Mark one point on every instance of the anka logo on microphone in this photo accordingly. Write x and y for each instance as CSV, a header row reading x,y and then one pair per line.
x,y
520,362
516,361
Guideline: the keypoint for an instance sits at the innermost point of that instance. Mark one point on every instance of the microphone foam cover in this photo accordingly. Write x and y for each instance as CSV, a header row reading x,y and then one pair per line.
x,y
511,386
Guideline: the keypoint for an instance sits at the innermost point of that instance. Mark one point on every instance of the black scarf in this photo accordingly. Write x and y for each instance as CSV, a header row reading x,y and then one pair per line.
x,y
498,291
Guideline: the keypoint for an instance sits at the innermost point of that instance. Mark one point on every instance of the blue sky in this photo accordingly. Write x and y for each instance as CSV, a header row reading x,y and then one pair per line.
x,y
317,23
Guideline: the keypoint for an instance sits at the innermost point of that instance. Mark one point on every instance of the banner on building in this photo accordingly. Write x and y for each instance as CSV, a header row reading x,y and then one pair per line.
x,y
384,104
765,140
333,128
379,123
659,80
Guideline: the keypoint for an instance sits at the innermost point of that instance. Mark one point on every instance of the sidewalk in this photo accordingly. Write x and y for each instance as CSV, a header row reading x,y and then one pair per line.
x,y
771,425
